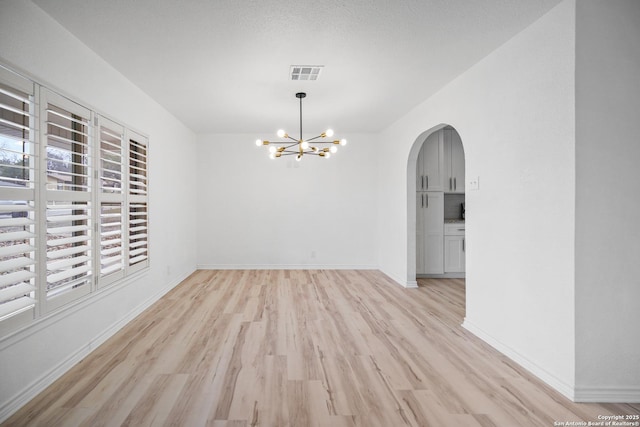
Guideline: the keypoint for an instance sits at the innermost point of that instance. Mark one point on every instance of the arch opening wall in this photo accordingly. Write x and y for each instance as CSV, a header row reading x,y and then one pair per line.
x,y
514,111
411,204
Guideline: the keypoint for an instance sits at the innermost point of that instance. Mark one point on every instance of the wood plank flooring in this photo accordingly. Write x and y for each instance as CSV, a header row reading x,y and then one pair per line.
x,y
302,348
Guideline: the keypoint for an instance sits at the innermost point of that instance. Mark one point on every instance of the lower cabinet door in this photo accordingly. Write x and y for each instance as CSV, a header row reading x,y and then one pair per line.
x,y
454,254
429,232
433,254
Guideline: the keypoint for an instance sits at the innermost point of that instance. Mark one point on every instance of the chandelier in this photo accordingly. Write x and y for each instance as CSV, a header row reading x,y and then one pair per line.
x,y
300,147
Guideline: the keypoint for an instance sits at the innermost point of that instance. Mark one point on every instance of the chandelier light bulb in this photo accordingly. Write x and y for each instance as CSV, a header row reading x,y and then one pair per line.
x,y
327,155
333,149
272,149
304,145
343,141
258,142
272,156
329,133
281,133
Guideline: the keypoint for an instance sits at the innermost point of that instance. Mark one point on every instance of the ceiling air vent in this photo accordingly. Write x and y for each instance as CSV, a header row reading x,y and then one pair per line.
x,y
305,72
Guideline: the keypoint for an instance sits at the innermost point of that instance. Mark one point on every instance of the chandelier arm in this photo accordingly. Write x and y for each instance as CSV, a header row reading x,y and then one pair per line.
x,y
292,138
314,138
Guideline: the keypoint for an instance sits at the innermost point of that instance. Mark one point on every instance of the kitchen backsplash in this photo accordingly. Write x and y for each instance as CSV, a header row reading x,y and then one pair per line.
x,y
452,209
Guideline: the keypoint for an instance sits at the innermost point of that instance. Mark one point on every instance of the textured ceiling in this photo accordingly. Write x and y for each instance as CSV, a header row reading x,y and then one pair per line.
x,y
222,65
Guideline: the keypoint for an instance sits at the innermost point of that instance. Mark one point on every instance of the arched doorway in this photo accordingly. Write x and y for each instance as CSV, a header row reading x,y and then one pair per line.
x,y
436,245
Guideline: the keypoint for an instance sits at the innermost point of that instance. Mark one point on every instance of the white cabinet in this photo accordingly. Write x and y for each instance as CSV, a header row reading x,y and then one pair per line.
x,y
453,154
430,167
454,248
429,232
439,170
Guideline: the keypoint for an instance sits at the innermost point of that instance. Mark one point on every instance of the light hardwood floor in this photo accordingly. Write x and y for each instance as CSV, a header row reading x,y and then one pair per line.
x,y
302,348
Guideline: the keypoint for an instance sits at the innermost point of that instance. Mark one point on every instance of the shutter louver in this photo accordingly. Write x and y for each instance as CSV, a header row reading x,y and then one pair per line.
x,y
68,246
111,252
17,258
17,158
17,197
67,152
110,160
137,167
138,237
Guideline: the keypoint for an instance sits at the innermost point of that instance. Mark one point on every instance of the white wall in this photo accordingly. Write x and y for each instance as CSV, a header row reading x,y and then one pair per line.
x,y
32,41
254,212
608,200
514,111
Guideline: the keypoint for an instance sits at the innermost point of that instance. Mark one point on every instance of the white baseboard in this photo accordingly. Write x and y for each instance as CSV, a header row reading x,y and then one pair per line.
x,y
553,381
411,284
9,407
607,394
286,267
442,276
592,394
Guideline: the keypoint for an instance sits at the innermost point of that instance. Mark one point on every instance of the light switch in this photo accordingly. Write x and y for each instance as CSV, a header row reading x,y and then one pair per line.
x,y
473,183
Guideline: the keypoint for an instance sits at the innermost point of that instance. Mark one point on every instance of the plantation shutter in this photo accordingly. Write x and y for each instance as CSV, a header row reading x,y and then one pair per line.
x,y
69,209
18,238
111,196
138,203
74,209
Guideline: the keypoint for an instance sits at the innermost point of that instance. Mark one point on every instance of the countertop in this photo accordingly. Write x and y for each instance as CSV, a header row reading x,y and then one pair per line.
x,y
453,221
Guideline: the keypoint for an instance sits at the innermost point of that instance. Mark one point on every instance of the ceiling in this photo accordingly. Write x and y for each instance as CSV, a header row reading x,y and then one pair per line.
x,y
221,66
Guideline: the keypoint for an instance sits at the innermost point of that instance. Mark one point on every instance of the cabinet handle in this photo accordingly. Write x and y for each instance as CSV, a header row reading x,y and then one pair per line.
x,y
427,182
454,184
422,180
427,201
463,249
450,185
422,200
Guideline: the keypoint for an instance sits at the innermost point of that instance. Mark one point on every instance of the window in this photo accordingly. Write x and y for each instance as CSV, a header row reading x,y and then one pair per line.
x,y
18,237
138,230
87,226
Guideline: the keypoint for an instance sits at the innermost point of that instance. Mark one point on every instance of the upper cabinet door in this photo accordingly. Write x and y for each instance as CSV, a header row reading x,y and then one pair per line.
x,y
457,162
430,164
420,172
453,162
